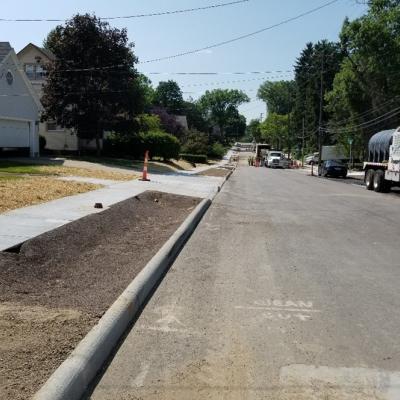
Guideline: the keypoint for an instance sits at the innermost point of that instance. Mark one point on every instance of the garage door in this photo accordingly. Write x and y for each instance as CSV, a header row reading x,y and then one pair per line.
x,y
14,133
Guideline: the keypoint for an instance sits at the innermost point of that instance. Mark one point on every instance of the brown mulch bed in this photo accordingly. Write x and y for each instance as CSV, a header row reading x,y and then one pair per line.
x,y
62,282
218,172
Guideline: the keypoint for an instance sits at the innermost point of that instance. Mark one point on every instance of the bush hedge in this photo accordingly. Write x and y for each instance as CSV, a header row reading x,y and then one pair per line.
x,y
195,143
217,150
159,144
194,158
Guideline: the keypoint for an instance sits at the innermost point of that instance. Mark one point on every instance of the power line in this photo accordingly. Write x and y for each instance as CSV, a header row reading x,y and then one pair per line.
x,y
235,81
286,21
155,14
367,124
369,111
219,73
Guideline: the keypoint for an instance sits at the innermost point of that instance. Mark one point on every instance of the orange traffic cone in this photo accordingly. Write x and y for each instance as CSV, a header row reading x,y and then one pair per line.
x,y
146,161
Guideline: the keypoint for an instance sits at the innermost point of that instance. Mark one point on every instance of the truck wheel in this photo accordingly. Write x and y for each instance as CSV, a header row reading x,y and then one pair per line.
x,y
369,179
379,181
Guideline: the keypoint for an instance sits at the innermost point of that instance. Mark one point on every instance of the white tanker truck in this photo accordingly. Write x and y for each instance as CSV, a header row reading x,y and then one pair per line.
x,y
382,170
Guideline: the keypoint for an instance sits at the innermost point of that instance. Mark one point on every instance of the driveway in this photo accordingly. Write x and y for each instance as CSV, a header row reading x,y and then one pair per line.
x,y
288,289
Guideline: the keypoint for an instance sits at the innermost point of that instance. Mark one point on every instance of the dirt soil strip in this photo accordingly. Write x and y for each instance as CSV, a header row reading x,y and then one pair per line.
x,y
61,283
218,172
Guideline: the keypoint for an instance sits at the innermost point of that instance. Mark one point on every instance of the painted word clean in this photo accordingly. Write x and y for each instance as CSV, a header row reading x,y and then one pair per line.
x,y
285,303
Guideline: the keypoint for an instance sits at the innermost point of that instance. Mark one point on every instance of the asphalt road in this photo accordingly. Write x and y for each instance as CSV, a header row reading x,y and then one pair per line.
x,y
288,289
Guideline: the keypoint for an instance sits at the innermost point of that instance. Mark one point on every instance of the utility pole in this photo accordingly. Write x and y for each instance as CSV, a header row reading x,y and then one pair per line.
x,y
288,127
321,104
302,145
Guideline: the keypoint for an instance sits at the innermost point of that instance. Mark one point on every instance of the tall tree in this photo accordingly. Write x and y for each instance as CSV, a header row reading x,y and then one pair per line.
x,y
93,85
253,130
220,107
315,71
280,99
169,95
274,130
278,96
195,117
367,85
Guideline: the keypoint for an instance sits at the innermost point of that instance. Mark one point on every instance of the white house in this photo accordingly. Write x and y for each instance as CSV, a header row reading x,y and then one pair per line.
x,y
34,60
20,106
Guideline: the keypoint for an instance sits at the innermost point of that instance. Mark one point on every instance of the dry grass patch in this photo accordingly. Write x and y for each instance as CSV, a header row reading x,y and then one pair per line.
x,y
85,172
22,192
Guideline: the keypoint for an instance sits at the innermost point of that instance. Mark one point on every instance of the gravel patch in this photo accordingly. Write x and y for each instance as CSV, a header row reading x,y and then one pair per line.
x,y
60,283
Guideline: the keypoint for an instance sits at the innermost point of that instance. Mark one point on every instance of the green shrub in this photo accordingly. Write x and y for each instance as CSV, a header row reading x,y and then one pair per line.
x,y
148,122
160,144
196,143
194,158
217,150
122,145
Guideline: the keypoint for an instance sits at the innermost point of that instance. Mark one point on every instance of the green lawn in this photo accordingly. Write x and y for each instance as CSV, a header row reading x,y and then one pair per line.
x,y
14,167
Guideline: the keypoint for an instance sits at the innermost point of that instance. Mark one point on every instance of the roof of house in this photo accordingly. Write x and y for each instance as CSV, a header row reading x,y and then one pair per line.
x,y
44,51
5,48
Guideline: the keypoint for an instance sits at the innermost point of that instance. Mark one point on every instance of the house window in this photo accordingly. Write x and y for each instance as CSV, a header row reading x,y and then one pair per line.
x,y
41,73
35,72
30,71
53,127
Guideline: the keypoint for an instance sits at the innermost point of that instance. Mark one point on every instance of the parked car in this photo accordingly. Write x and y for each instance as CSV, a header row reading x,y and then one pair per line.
x,y
333,168
312,159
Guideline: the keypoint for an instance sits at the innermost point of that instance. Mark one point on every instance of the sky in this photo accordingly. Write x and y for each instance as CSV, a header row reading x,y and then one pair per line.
x,y
154,37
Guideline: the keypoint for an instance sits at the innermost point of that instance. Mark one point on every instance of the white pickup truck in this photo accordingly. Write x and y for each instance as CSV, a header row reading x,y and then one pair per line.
x,y
276,159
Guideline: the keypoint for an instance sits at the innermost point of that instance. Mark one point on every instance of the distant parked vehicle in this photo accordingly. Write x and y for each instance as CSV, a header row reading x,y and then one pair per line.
x,y
312,159
276,159
333,168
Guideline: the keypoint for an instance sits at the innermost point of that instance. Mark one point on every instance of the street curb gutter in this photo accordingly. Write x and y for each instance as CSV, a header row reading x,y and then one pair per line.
x,y
74,375
226,178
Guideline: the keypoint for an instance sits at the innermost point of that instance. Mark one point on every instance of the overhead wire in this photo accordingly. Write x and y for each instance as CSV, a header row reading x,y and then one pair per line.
x,y
366,112
366,124
245,36
153,14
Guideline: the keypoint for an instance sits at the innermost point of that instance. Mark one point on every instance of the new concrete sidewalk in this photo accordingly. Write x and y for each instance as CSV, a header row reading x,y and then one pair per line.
x,y
25,223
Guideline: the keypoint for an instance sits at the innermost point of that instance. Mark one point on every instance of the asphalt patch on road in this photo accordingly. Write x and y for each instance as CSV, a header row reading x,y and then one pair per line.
x,y
54,290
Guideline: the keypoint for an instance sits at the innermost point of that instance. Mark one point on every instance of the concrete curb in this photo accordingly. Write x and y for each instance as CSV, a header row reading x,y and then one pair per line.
x,y
74,375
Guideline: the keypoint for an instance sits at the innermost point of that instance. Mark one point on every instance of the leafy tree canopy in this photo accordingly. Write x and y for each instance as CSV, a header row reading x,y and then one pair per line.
x,y
274,130
253,130
169,95
93,85
367,85
220,108
278,96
